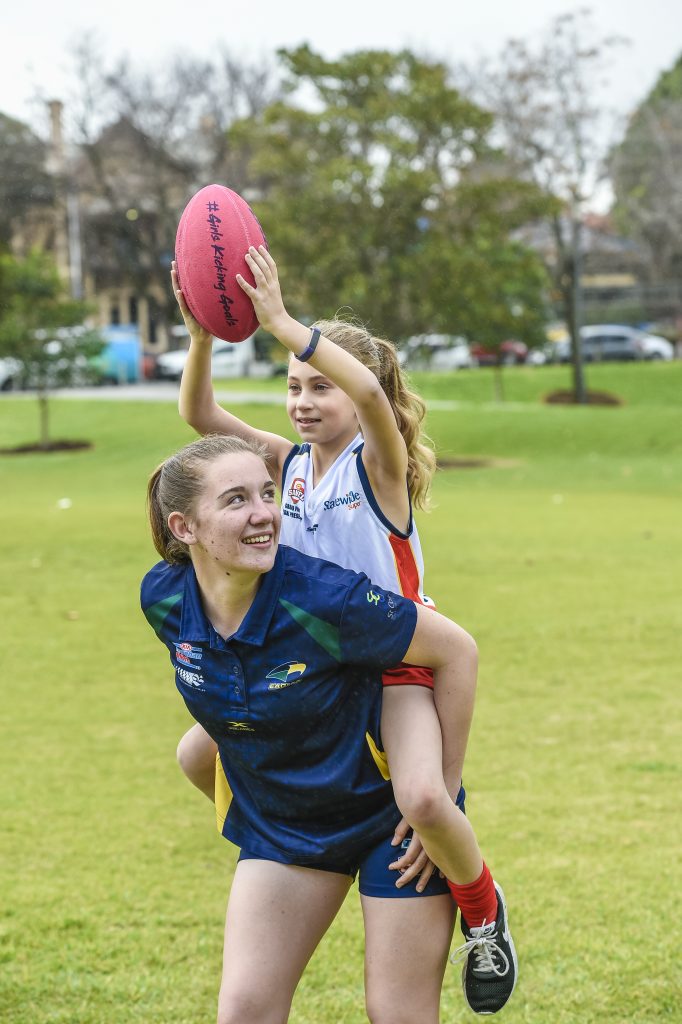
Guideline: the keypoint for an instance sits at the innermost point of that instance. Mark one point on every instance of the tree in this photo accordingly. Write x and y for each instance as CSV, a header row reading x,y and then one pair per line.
x,y
36,329
376,193
25,186
144,143
646,176
551,126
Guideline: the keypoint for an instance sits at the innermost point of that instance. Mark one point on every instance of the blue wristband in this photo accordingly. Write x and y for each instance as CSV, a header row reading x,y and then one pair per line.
x,y
312,345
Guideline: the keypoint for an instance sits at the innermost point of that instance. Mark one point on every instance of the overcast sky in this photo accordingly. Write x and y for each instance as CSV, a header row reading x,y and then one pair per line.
x,y
36,34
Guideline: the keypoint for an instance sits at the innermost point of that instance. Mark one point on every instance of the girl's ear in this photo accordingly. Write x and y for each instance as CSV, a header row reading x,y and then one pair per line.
x,y
181,528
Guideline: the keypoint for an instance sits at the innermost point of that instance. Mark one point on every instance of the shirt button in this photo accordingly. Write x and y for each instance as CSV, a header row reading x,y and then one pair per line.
x,y
237,690
237,670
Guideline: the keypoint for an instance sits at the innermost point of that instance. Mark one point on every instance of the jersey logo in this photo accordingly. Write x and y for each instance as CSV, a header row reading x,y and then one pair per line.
x,y
286,674
240,726
186,653
297,490
373,598
353,499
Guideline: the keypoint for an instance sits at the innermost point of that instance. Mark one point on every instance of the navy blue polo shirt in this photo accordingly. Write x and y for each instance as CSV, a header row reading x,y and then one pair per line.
x,y
293,700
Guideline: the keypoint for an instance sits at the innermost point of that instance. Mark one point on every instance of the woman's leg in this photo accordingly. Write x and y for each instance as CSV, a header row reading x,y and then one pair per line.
x,y
411,735
196,755
406,950
276,916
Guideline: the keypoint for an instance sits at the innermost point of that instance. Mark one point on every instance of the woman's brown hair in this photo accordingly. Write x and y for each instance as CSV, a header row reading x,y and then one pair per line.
x,y
175,485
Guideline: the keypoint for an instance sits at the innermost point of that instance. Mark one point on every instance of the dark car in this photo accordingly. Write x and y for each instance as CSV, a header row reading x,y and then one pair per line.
x,y
511,353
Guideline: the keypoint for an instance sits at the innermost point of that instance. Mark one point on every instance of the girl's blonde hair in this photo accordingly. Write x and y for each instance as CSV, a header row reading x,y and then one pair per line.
x,y
380,356
175,485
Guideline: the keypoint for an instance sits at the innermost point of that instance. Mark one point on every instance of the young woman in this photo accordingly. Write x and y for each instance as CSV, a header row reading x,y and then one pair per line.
x,y
279,657
347,496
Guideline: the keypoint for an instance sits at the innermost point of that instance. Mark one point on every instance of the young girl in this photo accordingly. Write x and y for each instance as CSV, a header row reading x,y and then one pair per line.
x,y
347,495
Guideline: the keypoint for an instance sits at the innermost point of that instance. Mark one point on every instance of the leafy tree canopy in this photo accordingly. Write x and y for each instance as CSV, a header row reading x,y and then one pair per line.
x,y
380,193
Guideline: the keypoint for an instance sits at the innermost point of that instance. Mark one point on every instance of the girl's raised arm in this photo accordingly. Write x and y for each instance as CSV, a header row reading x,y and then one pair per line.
x,y
384,454
197,404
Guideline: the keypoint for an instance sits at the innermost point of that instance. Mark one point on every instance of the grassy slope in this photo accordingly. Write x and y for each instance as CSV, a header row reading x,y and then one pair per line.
x,y
565,566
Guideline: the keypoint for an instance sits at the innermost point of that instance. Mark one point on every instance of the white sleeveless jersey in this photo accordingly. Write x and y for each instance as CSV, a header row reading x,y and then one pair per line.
x,y
340,521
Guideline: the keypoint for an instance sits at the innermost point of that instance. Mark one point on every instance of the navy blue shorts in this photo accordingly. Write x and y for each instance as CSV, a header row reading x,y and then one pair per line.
x,y
375,878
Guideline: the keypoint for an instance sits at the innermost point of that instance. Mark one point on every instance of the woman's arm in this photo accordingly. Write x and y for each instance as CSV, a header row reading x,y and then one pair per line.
x,y
197,404
384,454
451,652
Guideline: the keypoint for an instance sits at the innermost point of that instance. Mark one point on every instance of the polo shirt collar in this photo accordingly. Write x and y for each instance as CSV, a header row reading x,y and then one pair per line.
x,y
194,624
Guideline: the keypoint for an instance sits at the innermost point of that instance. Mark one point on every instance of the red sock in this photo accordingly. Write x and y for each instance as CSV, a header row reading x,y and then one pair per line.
x,y
477,901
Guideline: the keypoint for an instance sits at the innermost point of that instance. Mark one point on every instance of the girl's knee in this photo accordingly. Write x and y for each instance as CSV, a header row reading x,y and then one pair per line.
x,y
423,802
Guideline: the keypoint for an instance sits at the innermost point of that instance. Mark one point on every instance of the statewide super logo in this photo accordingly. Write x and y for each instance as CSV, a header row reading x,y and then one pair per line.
x,y
286,674
351,500
297,490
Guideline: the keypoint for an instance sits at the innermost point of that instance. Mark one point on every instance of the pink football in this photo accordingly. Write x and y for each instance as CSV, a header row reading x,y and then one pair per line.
x,y
215,230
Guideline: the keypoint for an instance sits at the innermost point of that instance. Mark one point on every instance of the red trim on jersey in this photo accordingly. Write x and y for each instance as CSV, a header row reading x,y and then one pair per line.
x,y
408,675
406,566
408,577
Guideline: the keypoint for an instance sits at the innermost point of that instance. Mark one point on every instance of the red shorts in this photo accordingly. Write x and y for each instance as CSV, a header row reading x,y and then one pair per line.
x,y
408,675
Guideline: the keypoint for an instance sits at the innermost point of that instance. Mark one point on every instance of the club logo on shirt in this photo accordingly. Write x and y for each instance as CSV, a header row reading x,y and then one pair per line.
x,y
187,654
373,598
286,674
297,490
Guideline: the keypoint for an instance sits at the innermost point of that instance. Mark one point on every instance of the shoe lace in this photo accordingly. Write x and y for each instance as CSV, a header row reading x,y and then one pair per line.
x,y
488,956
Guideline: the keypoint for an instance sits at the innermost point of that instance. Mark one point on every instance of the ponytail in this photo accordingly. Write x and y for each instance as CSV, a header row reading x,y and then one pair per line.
x,y
380,356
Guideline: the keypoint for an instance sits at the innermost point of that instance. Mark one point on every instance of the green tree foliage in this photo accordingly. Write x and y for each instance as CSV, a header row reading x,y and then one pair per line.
x,y
645,171
545,98
24,182
380,195
40,329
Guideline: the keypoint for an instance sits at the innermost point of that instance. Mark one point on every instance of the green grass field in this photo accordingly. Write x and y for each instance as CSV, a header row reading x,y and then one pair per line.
x,y
563,558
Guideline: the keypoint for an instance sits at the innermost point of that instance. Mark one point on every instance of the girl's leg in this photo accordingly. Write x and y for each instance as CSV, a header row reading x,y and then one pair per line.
x,y
412,739
196,755
276,916
406,949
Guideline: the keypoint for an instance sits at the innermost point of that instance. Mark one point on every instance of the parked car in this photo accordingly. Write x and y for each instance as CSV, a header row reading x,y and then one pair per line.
x,y
511,353
615,342
436,352
10,373
227,360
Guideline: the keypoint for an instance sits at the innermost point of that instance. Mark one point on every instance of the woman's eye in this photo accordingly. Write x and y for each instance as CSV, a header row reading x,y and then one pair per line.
x,y
235,499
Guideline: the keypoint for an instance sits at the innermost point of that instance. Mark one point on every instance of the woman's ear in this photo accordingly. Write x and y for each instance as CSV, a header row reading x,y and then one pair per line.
x,y
181,528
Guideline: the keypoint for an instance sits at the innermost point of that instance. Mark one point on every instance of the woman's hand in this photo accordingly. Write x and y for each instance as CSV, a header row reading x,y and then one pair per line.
x,y
266,296
197,333
414,861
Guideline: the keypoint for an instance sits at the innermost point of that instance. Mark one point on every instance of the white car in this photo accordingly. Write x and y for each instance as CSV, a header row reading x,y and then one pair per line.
x,y
614,342
436,352
10,373
227,360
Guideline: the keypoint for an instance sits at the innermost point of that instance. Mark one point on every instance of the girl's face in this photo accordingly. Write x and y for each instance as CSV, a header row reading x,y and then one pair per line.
x,y
319,410
236,519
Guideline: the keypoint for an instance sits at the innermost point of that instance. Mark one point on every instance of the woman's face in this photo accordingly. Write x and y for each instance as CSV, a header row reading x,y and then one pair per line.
x,y
319,410
236,519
